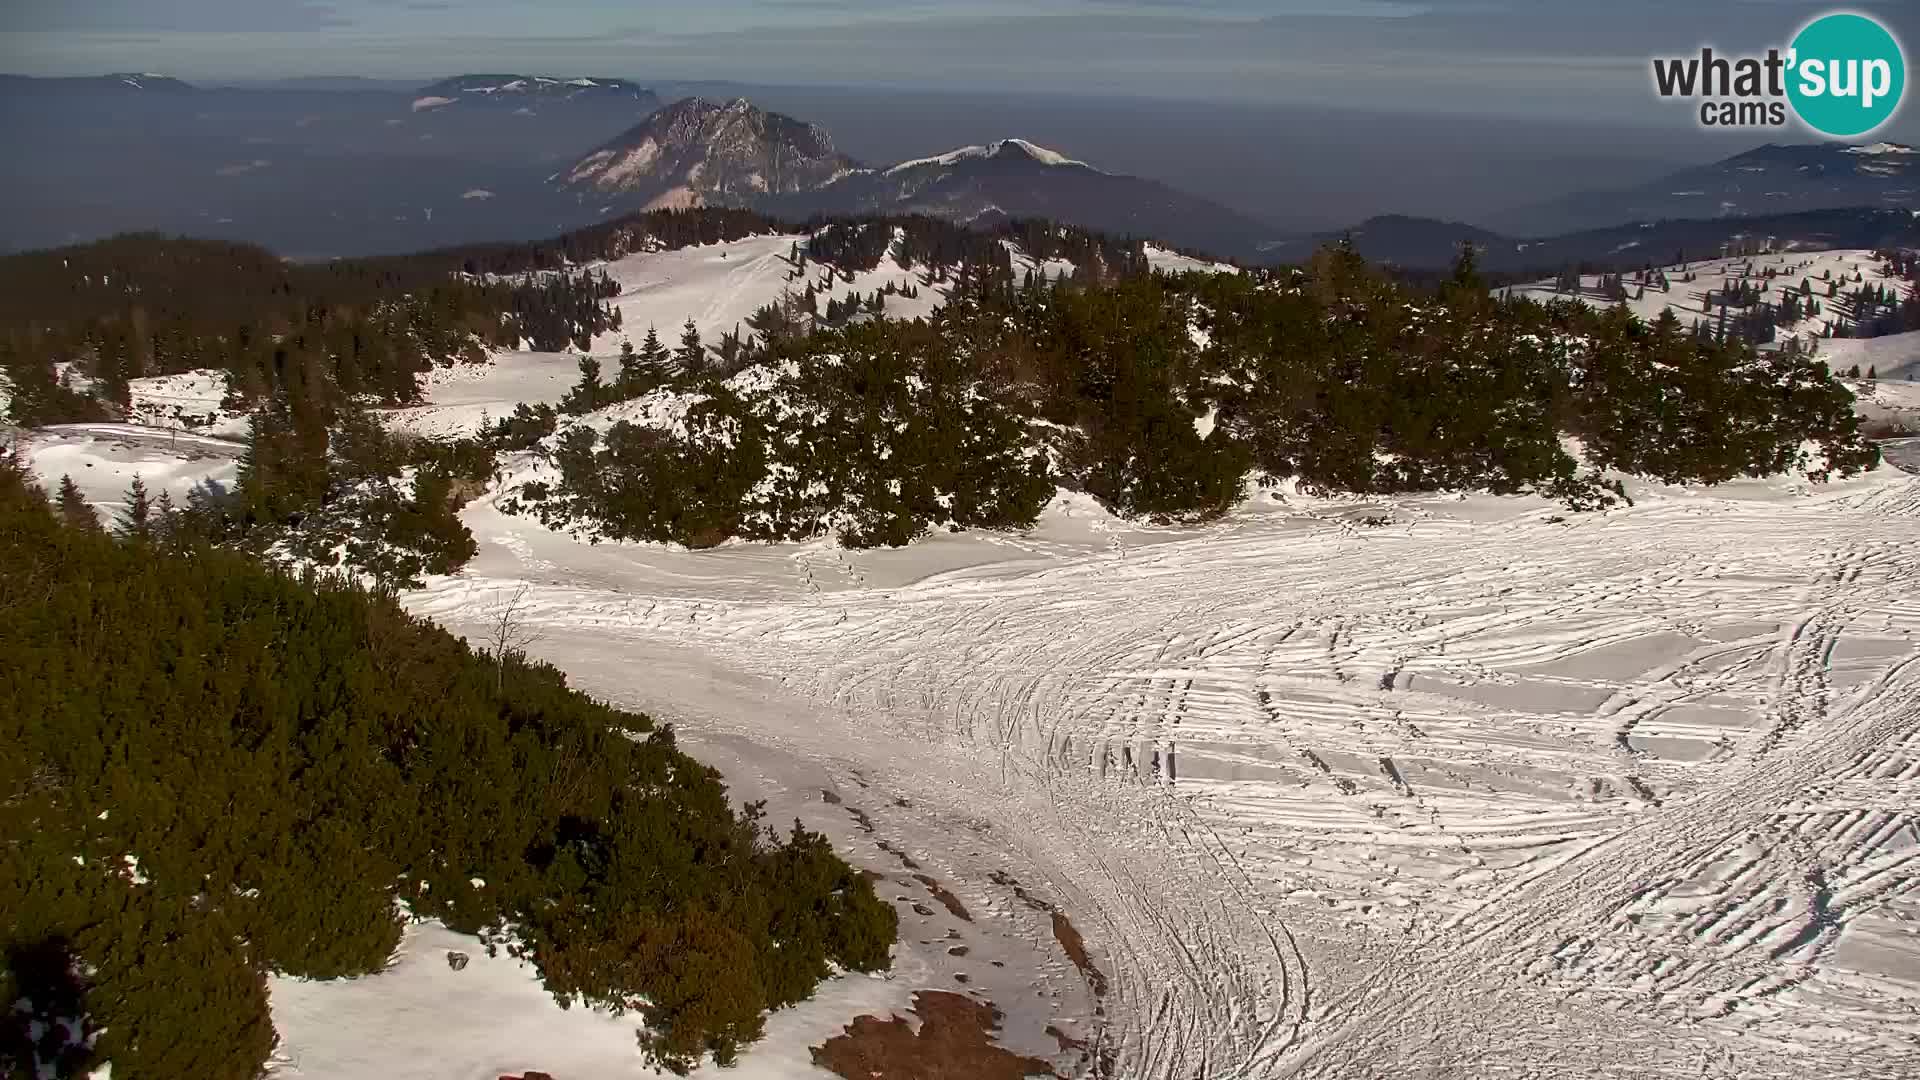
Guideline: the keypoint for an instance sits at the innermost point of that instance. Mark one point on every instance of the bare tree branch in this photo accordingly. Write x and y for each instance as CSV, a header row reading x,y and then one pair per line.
x,y
509,636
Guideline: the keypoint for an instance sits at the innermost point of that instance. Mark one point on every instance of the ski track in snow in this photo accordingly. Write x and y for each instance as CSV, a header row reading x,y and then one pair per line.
x,y
1631,795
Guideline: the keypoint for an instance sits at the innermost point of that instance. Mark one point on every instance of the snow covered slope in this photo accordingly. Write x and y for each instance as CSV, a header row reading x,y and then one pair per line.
x,y
1895,356
719,285
104,458
189,401
1172,262
460,400
1689,300
1614,795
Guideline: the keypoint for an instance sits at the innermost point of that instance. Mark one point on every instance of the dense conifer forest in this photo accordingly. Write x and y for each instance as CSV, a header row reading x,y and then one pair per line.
x,y
274,771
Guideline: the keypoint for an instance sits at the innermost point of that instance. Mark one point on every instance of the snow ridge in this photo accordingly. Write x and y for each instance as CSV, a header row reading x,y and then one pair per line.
x,y
967,153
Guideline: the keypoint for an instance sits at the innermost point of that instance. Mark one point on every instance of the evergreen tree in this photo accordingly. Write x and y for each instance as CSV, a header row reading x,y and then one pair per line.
x,y
136,518
165,518
589,393
73,507
691,355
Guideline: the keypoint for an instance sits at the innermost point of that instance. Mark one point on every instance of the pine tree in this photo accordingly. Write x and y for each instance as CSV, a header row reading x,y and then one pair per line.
x,y
136,520
165,518
589,392
691,355
73,507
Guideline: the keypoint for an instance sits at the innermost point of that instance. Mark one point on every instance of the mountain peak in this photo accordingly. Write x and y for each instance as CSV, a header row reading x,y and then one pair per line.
x,y
696,151
1003,150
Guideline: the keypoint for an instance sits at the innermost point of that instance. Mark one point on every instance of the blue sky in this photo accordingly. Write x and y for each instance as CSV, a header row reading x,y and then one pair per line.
x,y
1575,58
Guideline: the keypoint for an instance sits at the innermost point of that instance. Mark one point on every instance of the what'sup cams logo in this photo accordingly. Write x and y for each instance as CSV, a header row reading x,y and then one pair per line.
x,y
1844,76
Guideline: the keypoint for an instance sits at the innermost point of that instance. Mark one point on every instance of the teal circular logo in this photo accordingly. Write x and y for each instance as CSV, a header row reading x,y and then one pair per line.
x,y
1848,75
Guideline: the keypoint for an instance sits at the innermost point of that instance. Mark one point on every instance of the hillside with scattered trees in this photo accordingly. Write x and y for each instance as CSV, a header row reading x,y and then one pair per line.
x,y
1161,397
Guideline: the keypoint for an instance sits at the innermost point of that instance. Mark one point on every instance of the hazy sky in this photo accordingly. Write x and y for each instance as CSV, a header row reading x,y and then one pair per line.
x,y
1581,60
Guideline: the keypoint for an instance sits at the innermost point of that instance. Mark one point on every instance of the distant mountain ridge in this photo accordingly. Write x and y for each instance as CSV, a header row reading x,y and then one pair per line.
x,y
121,82
698,152
528,91
1768,180
1428,244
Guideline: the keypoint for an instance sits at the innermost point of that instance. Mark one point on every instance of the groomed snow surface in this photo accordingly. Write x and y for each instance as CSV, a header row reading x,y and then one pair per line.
x,y
1487,790
1616,795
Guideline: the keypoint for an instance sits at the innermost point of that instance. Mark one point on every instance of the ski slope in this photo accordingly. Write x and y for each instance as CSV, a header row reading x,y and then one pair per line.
x,y
717,286
1481,790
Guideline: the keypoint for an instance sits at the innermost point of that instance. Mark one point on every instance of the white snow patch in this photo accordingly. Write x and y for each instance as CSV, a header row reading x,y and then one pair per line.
x,y
953,157
104,458
1172,262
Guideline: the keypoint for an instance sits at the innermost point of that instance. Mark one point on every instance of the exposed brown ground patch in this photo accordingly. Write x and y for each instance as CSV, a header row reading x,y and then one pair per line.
x,y
860,818
896,853
955,1042
829,797
948,900
1076,950
1063,932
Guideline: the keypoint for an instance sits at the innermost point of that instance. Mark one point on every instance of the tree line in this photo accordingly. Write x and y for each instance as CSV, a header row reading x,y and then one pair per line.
x,y
79,324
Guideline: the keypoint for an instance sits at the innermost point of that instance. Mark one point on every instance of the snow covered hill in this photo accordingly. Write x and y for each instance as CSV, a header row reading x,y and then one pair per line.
x,y
715,286
104,458
1695,300
718,285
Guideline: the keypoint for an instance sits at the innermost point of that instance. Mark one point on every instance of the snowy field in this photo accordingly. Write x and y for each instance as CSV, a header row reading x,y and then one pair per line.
x,y
104,458
462,399
1629,794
